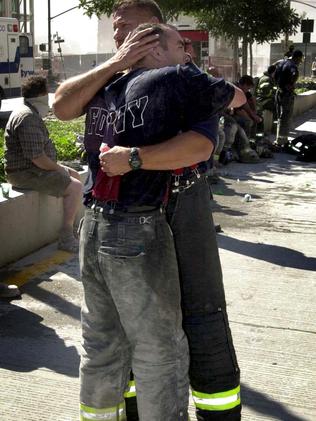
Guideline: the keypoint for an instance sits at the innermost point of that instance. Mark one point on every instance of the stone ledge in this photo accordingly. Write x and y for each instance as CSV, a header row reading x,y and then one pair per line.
x,y
303,102
29,221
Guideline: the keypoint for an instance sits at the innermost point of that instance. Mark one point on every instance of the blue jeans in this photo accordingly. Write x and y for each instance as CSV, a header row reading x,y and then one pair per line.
x,y
131,317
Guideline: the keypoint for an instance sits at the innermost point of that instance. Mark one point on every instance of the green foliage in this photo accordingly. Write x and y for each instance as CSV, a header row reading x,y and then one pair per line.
x,y
254,20
305,84
63,135
170,8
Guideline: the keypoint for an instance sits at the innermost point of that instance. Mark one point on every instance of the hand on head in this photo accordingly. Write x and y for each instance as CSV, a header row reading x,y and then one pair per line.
x,y
135,47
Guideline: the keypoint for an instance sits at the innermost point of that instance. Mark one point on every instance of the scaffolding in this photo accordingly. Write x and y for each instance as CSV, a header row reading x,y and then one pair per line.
x,y
22,10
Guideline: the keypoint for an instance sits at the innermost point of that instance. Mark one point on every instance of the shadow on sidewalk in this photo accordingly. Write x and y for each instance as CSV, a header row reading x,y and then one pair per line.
x,y
277,255
27,345
62,305
262,404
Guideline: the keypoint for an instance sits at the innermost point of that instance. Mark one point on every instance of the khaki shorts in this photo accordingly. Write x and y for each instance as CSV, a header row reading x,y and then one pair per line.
x,y
53,183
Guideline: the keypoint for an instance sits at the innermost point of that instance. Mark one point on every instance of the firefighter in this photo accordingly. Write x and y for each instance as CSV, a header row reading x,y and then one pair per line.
x,y
265,95
286,76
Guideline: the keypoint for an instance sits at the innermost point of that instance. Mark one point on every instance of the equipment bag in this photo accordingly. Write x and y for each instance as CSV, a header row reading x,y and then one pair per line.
x,y
304,147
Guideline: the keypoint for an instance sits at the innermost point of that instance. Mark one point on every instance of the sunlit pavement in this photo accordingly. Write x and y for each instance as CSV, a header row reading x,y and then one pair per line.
x,y
267,250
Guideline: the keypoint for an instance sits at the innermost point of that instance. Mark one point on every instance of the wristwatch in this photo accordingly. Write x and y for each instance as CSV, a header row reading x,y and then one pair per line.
x,y
134,159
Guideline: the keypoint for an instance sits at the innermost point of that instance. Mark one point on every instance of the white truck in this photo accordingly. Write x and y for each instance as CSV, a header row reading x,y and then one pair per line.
x,y
16,57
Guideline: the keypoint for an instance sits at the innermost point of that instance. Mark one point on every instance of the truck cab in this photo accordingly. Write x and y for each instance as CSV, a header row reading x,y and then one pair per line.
x,y
16,57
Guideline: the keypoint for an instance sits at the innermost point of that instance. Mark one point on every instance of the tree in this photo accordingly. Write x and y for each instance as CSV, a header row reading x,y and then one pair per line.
x,y
171,8
250,20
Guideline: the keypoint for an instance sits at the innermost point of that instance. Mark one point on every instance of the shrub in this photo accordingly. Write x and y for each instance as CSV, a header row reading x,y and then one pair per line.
x,y
305,84
63,134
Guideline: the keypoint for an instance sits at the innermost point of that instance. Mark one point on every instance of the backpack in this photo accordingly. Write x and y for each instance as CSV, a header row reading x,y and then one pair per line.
x,y
304,147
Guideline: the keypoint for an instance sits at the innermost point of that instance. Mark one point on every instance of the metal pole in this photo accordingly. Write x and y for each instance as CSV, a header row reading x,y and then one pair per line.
x,y
286,37
65,11
235,59
32,18
49,43
25,16
305,59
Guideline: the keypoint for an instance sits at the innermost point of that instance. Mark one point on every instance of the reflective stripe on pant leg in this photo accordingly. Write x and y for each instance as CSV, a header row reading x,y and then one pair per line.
x,y
217,401
130,400
131,391
116,413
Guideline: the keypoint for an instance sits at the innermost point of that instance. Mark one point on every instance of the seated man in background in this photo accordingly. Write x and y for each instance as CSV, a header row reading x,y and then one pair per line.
x,y
246,116
265,95
236,144
30,157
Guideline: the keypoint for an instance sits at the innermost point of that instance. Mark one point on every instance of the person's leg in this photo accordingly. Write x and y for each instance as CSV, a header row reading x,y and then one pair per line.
x,y
71,201
138,258
230,130
131,400
267,122
56,184
245,152
245,122
286,105
106,357
214,371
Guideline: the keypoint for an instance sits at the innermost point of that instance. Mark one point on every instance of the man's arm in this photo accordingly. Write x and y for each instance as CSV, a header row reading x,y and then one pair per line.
x,y
238,100
180,151
248,112
74,94
45,163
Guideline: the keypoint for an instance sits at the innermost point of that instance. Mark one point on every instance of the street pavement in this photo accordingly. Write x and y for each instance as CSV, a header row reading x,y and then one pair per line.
x,y
267,250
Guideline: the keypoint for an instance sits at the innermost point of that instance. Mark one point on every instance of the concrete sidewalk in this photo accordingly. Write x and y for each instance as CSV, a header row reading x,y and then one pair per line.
x,y
268,255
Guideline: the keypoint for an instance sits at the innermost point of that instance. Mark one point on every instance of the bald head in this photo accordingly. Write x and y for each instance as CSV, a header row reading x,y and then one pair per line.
x,y
170,50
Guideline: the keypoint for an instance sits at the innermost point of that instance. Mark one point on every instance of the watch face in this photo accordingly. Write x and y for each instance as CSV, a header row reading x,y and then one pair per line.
x,y
134,161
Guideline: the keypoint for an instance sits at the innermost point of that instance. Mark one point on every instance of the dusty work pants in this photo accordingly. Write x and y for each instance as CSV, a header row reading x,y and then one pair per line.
x,y
131,318
285,106
267,121
214,372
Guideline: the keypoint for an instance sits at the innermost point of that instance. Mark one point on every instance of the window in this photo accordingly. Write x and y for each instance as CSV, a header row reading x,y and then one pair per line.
x,y
24,46
15,6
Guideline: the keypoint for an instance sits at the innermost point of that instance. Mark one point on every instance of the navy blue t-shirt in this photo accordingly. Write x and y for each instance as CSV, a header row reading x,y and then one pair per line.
x,y
287,74
146,107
